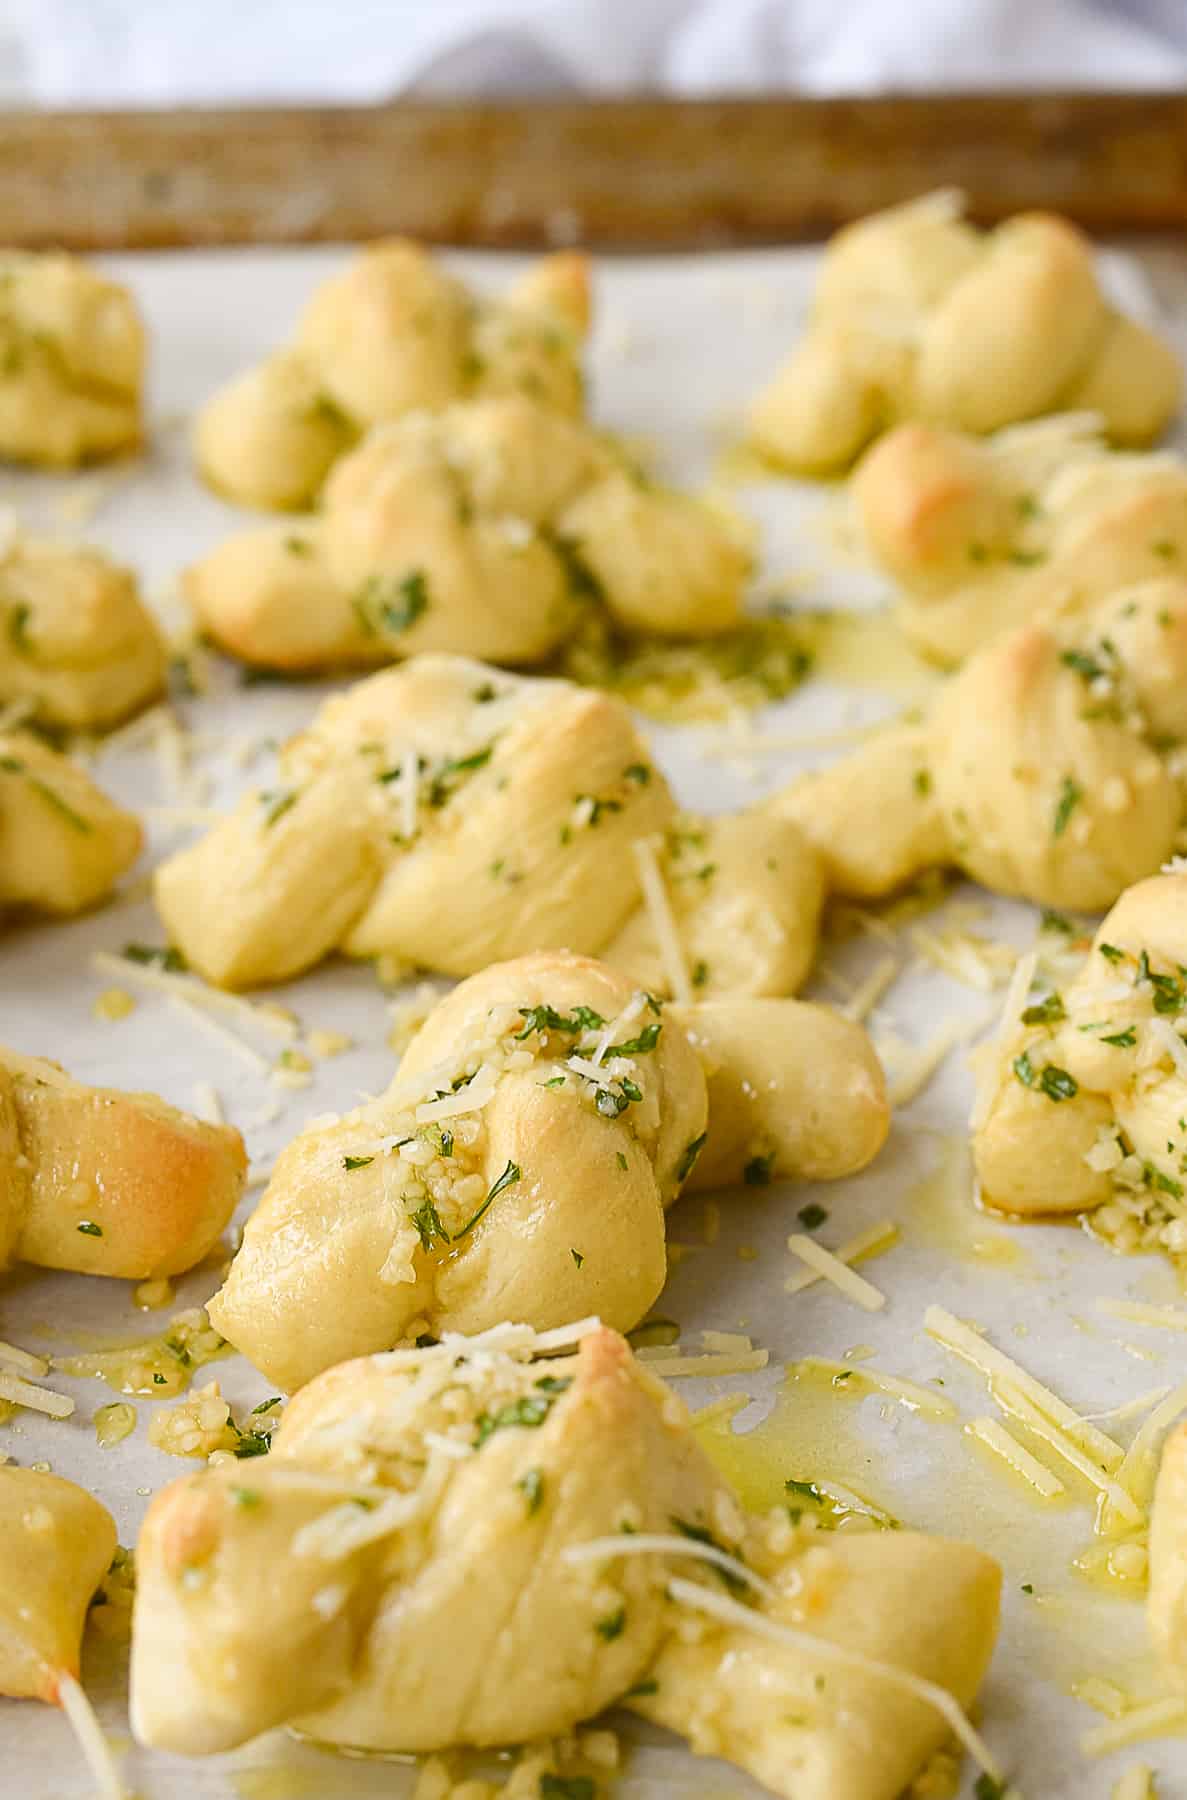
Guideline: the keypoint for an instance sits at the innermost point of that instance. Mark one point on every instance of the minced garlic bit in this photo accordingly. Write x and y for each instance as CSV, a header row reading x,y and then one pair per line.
x,y
328,1043
197,1426
157,1367
113,1003
113,1423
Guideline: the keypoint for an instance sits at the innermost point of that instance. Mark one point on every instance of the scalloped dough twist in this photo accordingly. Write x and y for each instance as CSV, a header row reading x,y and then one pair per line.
x,y
105,1182
453,1616
1049,1144
71,362
63,843
76,640
1046,768
519,1165
58,1544
985,535
392,334
448,816
918,315
484,529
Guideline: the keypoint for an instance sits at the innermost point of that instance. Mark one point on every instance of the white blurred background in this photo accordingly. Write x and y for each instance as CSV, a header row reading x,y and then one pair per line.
x,y
78,53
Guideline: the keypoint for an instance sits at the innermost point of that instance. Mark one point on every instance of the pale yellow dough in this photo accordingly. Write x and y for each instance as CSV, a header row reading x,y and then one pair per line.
x,y
443,1611
71,362
376,1228
981,535
918,315
1032,1136
63,843
1046,768
106,1182
58,1544
76,641
392,334
530,797
484,529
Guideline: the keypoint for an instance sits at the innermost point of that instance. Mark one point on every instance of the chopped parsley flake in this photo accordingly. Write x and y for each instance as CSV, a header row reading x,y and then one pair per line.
x,y
921,782
577,1257
1122,1040
567,1787
356,1162
1055,1083
429,1228
511,1174
1070,796
1048,1011
387,604
18,629
700,1535
811,1217
12,765
689,1156
757,1172
637,1046
637,772
528,1413
620,1159
700,974
546,1018
162,956
1111,953
276,804
641,1689
89,1228
1056,921
612,1626
246,1497
531,1486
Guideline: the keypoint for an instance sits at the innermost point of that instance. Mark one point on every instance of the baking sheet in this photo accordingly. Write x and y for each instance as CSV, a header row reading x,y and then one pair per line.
x,y
680,345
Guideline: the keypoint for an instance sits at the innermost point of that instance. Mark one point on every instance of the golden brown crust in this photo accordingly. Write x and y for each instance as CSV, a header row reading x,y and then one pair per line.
x,y
984,535
58,1543
483,529
106,1182
1045,768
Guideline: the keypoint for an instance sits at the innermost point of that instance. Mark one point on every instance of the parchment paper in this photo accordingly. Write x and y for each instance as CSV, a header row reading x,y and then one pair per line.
x,y
680,346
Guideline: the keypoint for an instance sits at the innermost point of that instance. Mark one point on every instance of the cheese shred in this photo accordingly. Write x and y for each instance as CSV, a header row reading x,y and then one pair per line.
x,y
80,1715
659,908
863,1293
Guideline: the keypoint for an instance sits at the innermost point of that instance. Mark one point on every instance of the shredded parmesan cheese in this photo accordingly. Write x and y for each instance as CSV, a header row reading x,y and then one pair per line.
x,y
746,1618
23,1361
1139,1312
871,1242
996,1367
854,1287
43,1400
918,1067
989,1082
882,976
1059,1441
737,1362
907,1393
995,1437
1136,1726
91,1741
272,1019
659,908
